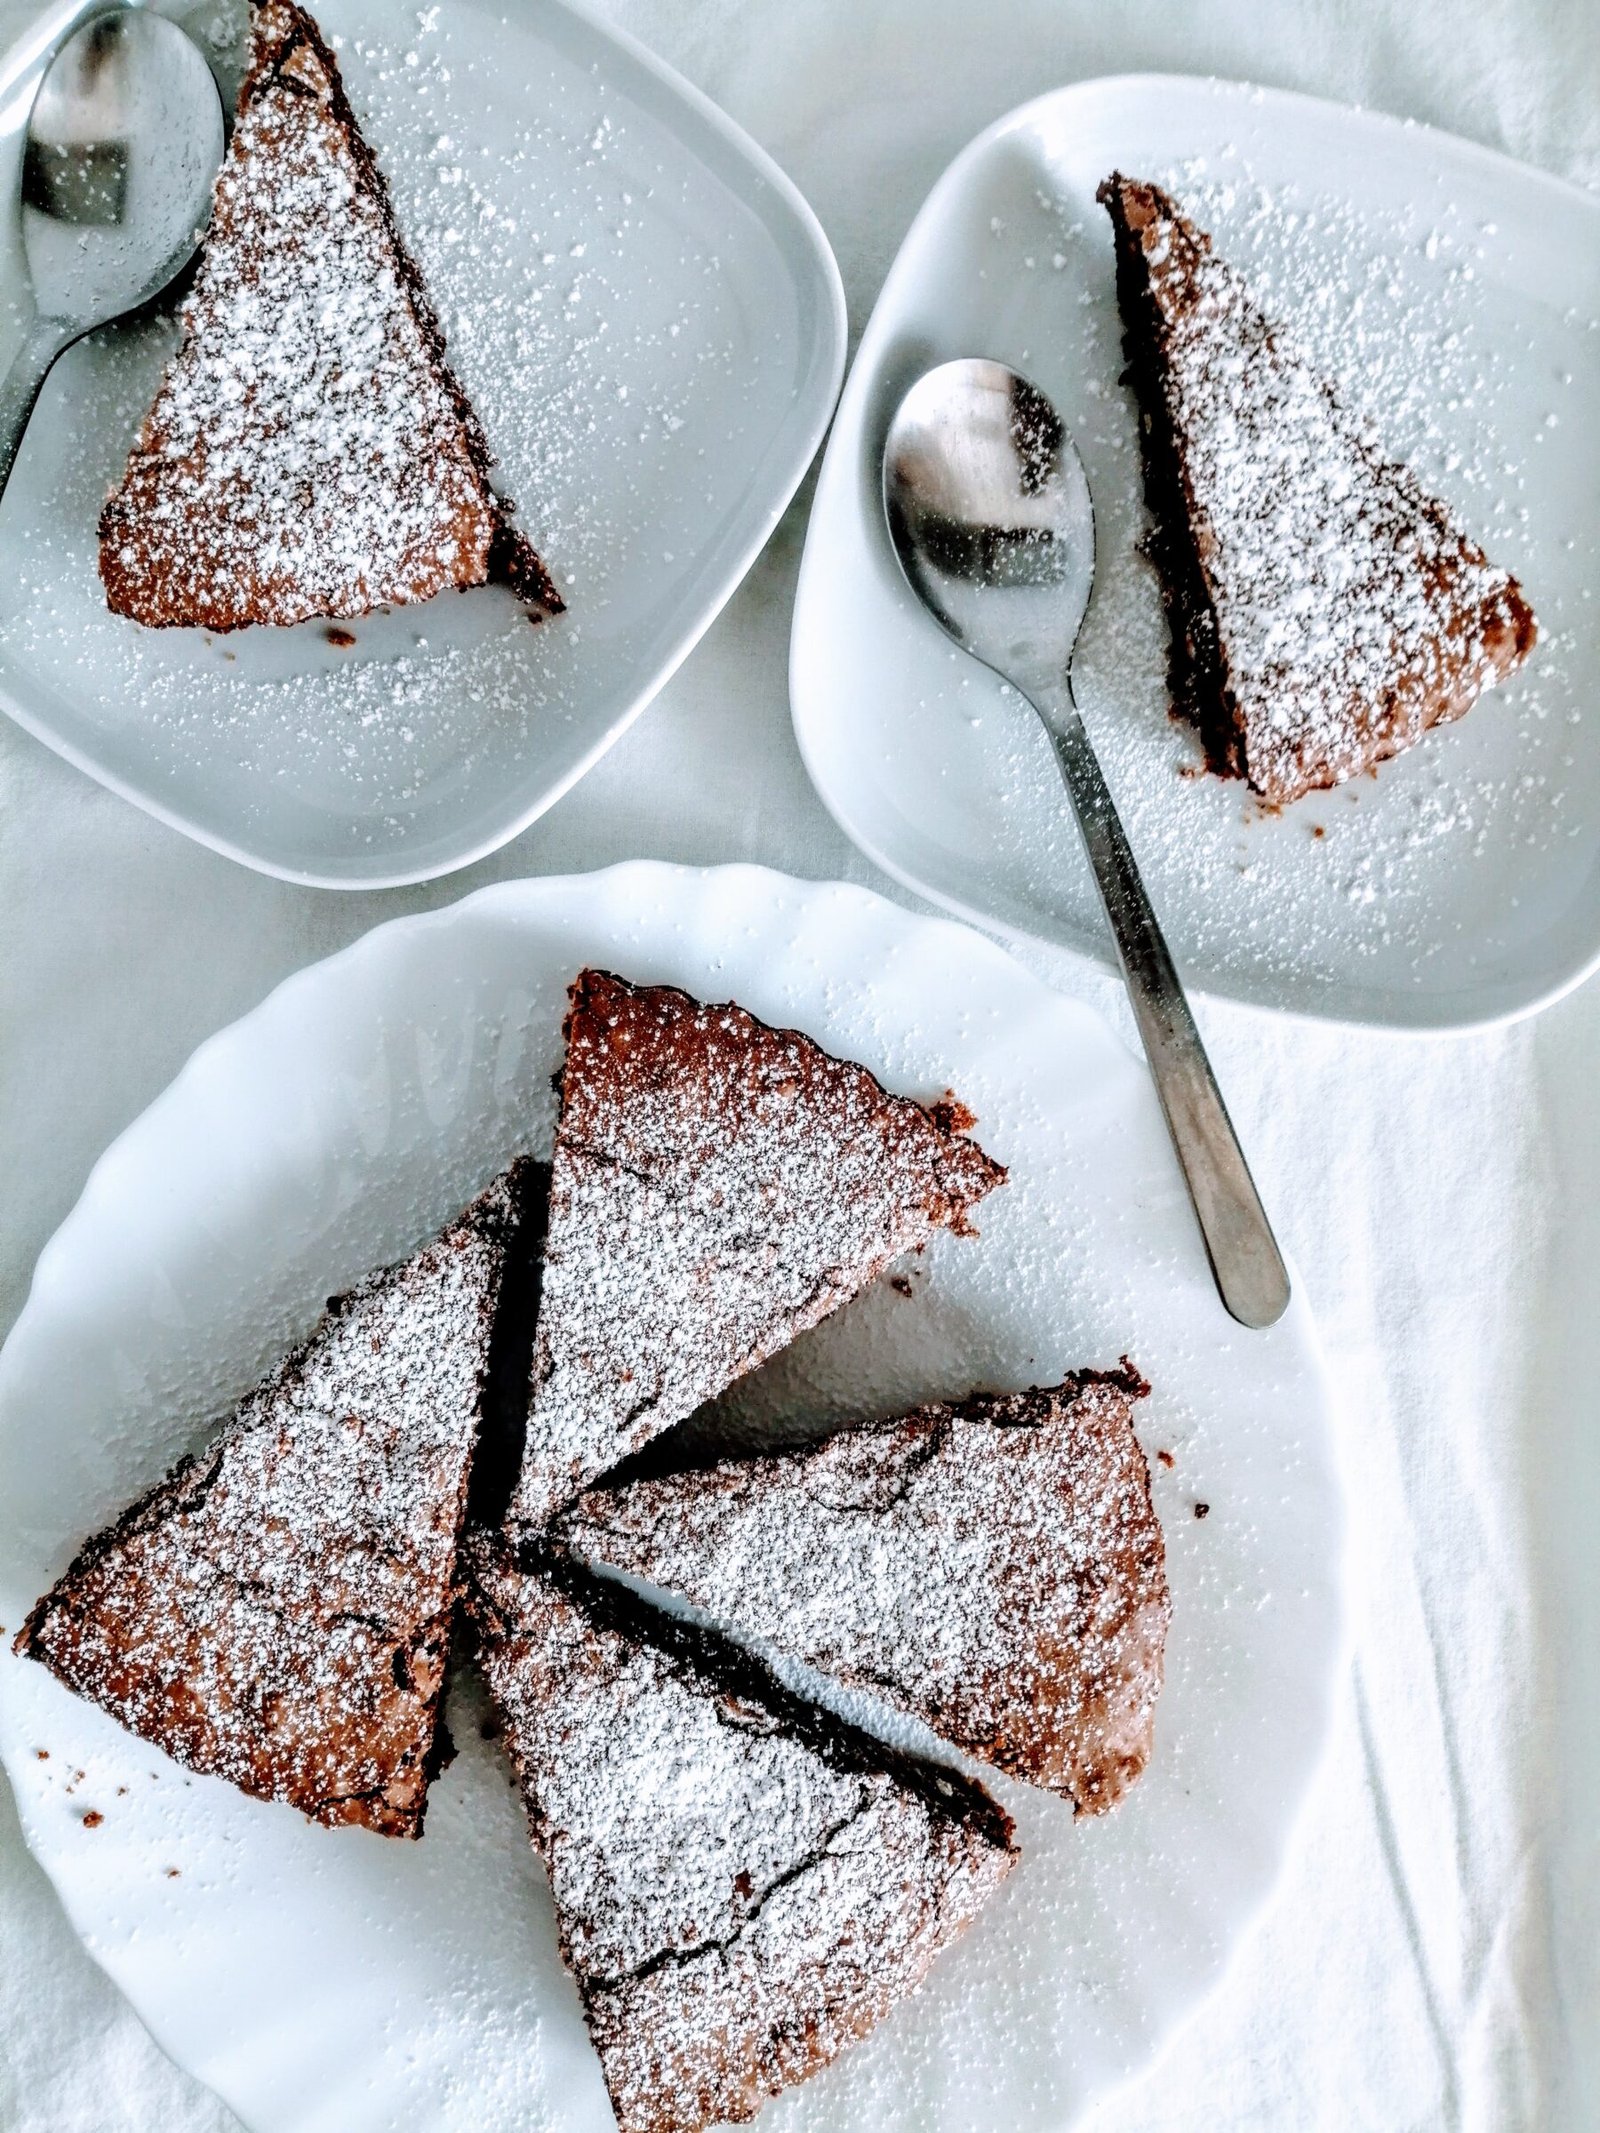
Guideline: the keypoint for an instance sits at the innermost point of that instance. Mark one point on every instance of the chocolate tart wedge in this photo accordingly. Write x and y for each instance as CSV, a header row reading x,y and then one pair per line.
x,y
277,1611
993,1567
1324,609
743,1884
310,452
717,1187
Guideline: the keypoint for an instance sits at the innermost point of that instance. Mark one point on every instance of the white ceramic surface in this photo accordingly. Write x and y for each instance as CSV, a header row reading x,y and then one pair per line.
x,y
335,1982
650,323
1456,294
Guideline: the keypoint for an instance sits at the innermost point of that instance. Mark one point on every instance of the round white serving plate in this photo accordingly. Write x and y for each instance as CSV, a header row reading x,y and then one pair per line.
x,y
335,1982
650,324
1456,294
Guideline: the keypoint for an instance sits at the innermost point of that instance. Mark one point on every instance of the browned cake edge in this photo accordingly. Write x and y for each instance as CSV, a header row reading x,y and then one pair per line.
x,y
1197,657
678,1451
1196,668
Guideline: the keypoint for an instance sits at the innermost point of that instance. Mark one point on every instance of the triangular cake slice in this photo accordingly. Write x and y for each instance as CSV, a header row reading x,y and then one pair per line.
x,y
277,1611
310,451
994,1568
1324,610
743,1884
717,1187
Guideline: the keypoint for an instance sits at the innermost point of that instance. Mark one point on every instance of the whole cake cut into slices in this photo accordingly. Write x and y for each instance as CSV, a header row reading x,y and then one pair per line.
x,y
743,1884
717,1187
993,1567
278,1610
310,452
1324,609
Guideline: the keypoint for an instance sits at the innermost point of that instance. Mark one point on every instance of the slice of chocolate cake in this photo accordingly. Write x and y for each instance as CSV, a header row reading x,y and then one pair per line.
x,y
717,1187
743,1884
1324,610
994,1568
310,451
278,1610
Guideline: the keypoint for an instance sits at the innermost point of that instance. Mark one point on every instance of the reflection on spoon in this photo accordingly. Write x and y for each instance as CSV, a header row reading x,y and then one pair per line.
x,y
124,142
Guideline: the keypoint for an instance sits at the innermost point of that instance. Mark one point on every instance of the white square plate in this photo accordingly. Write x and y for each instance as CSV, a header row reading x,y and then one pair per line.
x,y
650,323
1456,296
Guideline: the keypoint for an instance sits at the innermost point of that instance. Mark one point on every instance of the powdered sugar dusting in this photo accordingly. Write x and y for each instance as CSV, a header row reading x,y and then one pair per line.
x,y
717,1187
1458,324
278,1610
736,1904
994,1569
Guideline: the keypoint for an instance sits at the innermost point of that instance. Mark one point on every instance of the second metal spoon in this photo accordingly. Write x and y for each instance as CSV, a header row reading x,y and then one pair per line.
x,y
990,516
123,144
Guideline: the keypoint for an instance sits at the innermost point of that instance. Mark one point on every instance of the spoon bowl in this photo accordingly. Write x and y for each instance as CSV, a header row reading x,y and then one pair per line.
x,y
123,146
991,519
990,515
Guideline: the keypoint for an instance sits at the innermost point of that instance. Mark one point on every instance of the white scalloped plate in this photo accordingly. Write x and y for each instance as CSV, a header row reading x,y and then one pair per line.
x,y
650,323
1457,294
334,1982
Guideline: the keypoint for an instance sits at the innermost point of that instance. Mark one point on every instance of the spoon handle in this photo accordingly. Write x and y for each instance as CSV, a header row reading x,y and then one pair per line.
x,y
20,388
1249,1269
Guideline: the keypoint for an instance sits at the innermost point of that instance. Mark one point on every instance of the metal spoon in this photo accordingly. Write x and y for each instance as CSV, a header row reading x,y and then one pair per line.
x,y
990,516
123,144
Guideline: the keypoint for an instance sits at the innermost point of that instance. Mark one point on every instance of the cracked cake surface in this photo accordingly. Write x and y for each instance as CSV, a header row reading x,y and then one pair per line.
x,y
718,1186
309,451
993,1567
1324,609
277,1611
743,1884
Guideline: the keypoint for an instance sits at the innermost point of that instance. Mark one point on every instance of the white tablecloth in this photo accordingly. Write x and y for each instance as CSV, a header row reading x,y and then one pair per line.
x,y
1432,1957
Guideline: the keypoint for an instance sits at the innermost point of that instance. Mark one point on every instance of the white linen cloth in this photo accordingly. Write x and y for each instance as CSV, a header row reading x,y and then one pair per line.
x,y
1431,1959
